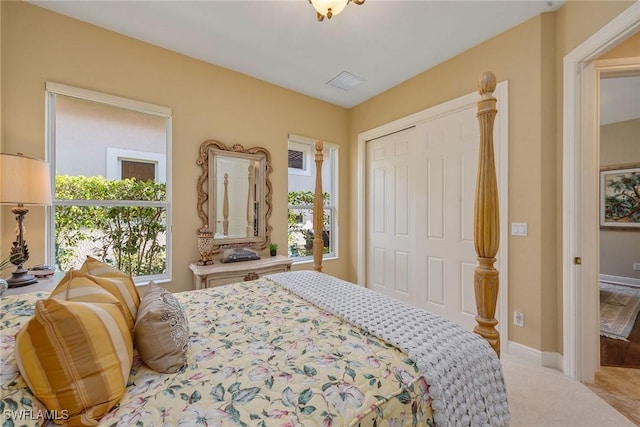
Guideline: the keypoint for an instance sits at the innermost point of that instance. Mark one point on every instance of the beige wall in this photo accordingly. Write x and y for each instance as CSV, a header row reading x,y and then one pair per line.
x,y
216,103
619,143
207,102
619,249
1,120
629,49
3,251
529,57
513,56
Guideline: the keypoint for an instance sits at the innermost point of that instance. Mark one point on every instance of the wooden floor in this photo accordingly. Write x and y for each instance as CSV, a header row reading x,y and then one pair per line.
x,y
620,388
618,382
622,353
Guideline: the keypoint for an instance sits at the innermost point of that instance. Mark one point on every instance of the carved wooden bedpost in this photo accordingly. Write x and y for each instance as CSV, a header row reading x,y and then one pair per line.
x,y
318,212
486,218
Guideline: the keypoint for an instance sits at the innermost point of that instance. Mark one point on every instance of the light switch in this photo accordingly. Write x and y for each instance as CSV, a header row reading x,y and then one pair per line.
x,y
519,229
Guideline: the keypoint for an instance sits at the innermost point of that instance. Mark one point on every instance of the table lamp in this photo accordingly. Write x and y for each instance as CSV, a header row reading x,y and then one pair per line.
x,y
23,181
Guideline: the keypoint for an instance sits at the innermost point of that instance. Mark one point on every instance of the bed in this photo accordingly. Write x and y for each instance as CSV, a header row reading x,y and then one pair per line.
x,y
291,349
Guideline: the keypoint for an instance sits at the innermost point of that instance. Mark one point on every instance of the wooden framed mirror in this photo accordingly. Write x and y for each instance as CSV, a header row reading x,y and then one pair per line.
x,y
234,194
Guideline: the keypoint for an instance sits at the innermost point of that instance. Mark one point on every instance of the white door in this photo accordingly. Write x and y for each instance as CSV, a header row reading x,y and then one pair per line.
x,y
420,195
392,217
448,159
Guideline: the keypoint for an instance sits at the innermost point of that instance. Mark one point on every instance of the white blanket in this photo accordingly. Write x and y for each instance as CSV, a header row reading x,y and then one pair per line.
x,y
463,372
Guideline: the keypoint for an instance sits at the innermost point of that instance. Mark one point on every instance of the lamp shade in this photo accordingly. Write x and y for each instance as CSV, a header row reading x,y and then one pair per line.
x,y
324,6
24,180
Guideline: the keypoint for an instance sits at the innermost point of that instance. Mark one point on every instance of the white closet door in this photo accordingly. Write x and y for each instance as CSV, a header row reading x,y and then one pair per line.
x,y
447,159
420,193
392,219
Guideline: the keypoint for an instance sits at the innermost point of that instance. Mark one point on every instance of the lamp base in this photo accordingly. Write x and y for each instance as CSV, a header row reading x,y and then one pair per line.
x,y
21,277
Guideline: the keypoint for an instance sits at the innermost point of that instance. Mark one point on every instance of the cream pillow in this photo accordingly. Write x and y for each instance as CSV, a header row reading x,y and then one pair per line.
x,y
76,357
161,331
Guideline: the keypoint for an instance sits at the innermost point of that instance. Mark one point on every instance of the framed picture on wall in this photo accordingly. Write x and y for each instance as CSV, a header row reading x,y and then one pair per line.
x,y
620,197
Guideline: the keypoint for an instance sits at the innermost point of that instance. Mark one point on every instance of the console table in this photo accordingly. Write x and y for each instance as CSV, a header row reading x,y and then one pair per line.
x,y
209,276
47,284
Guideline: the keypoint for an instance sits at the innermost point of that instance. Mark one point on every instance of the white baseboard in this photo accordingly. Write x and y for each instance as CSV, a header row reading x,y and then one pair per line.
x,y
536,357
552,360
628,281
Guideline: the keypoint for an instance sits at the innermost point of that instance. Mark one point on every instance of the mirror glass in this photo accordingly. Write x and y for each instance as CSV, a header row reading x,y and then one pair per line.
x,y
236,205
234,194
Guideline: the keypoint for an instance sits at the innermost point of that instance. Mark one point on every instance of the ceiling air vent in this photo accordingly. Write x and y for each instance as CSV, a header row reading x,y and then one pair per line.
x,y
346,81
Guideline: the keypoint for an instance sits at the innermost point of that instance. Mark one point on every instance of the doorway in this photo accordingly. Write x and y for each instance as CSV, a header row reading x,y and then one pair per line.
x,y
580,215
619,239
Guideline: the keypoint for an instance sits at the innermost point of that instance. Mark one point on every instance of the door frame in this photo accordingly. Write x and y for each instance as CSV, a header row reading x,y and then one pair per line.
x,y
501,142
580,169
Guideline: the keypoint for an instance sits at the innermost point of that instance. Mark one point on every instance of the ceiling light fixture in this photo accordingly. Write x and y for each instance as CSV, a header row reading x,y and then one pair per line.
x,y
331,8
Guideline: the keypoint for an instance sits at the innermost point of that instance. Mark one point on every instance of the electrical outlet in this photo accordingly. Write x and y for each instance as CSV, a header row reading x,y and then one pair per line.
x,y
518,319
636,265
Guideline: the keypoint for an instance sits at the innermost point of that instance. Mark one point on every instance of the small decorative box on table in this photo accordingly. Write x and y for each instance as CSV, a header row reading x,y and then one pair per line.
x,y
218,274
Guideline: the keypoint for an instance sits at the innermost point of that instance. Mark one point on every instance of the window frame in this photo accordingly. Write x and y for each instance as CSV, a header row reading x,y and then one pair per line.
x,y
53,89
308,144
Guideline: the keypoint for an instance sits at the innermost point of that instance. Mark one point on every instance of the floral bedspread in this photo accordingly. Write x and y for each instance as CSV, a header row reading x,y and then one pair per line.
x,y
258,356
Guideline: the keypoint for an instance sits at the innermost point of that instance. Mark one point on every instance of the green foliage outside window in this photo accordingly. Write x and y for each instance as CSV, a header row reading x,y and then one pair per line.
x,y
131,238
301,205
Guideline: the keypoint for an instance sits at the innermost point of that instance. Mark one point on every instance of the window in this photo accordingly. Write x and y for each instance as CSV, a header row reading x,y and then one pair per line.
x,y
301,193
141,171
109,157
299,158
296,160
125,163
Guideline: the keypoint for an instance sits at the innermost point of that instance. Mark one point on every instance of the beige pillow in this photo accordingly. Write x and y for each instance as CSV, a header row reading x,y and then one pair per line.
x,y
161,332
76,357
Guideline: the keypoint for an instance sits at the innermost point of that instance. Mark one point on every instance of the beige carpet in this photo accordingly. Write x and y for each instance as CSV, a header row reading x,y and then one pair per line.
x,y
545,397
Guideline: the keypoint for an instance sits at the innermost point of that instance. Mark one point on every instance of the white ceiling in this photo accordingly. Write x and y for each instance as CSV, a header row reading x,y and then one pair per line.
x,y
383,42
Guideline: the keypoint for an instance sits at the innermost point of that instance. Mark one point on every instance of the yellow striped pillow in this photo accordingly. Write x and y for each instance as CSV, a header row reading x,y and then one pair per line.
x,y
123,281
99,268
77,286
76,357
